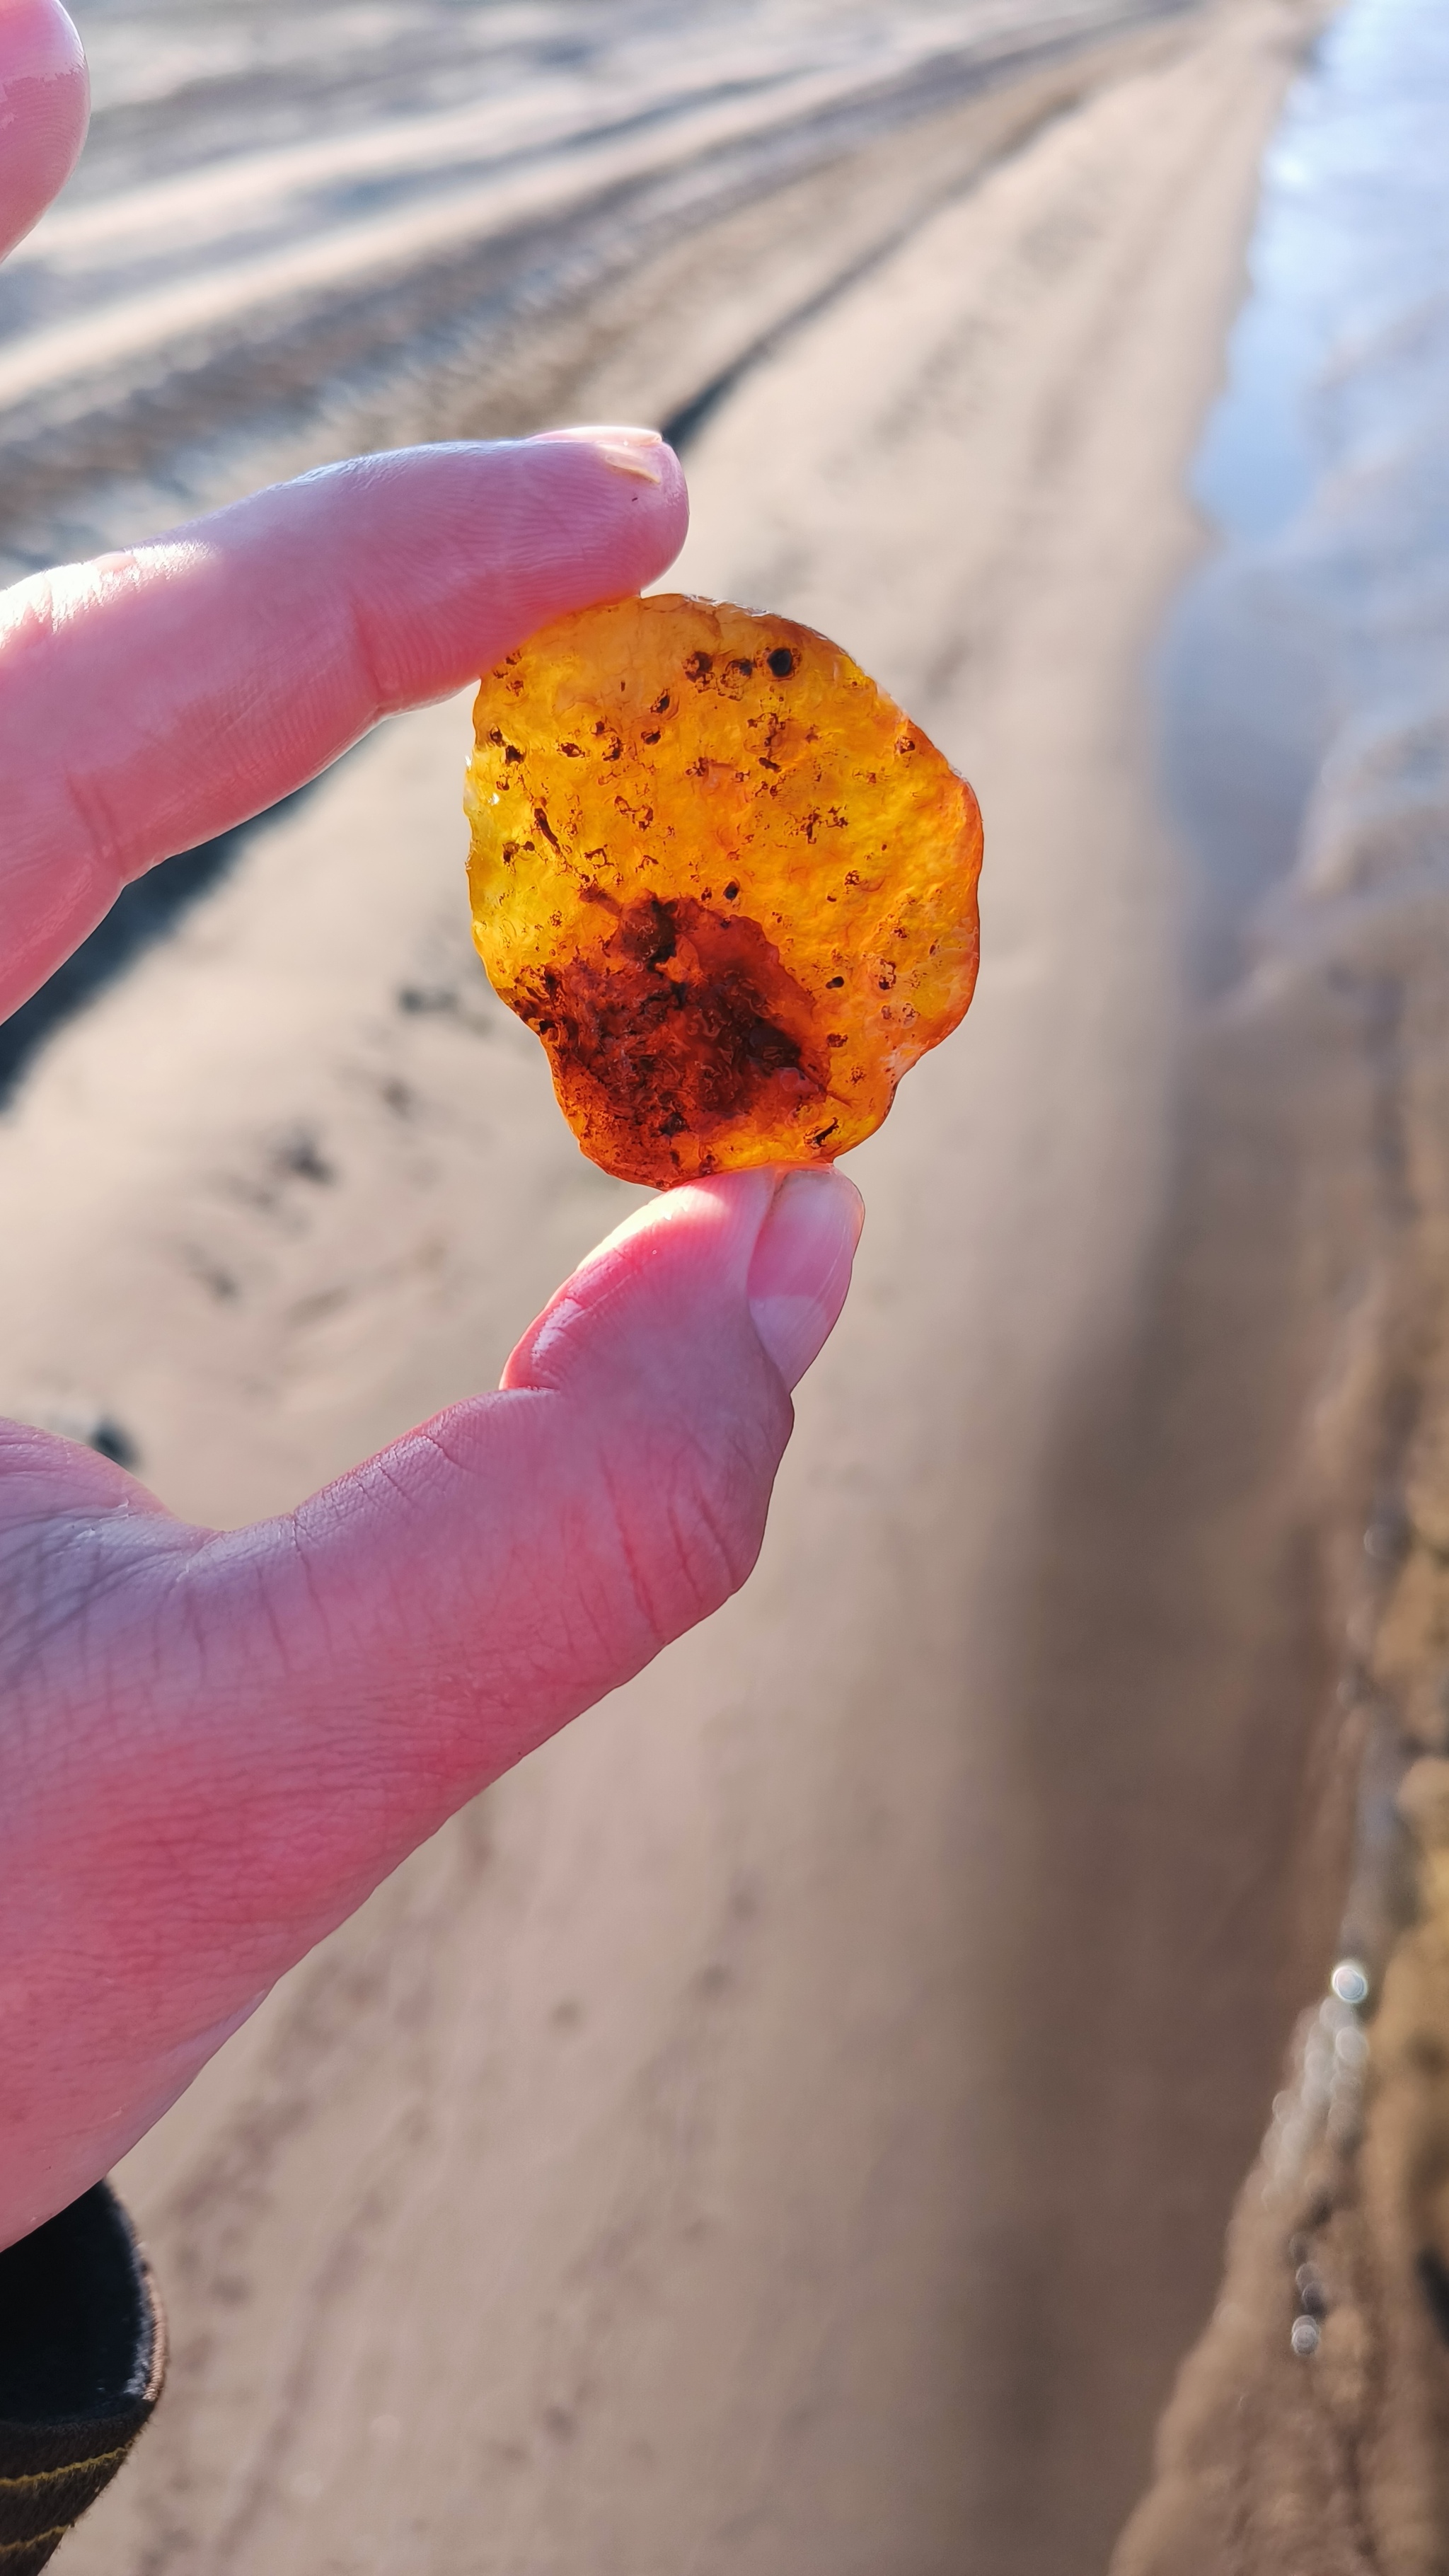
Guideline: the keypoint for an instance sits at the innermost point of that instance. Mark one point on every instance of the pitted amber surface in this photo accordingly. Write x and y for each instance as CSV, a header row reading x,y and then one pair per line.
x,y
728,883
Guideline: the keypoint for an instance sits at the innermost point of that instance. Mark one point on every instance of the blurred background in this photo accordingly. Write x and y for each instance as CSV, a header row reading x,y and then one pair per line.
x,y
948,2069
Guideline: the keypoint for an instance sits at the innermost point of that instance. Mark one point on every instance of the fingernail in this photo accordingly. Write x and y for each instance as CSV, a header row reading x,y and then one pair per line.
x,y
800,1268
629,451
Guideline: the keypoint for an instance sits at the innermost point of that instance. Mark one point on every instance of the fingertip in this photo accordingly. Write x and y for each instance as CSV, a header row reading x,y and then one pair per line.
x,y
44,110
700,1237
634,480
38,41
775,1243
673,502
453,554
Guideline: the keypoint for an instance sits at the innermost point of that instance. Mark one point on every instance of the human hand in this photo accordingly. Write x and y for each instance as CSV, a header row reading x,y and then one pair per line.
x,y
213,1746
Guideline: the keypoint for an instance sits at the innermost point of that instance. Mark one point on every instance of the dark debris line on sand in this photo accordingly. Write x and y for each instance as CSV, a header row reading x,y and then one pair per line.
x,y
143,913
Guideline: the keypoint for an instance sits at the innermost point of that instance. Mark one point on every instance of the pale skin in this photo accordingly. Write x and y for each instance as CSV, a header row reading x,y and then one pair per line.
x,y
213,1746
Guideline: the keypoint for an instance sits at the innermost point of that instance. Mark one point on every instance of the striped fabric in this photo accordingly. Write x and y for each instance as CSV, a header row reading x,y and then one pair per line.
x,y
82,2357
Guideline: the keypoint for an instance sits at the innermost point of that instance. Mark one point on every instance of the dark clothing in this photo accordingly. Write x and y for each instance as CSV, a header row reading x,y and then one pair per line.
x,y
82,2357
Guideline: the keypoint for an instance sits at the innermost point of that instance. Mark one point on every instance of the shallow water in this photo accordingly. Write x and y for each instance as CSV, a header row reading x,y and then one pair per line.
x,y
1306,697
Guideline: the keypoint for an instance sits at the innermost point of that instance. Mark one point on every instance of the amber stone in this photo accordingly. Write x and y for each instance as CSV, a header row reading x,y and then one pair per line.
x,y
730,885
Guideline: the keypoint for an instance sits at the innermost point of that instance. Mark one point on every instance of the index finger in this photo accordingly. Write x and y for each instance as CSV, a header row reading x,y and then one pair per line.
x,y
151,700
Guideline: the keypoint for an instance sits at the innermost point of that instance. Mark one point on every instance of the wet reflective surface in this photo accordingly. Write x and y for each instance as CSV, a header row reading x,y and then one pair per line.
x,y
1306,701
1306,742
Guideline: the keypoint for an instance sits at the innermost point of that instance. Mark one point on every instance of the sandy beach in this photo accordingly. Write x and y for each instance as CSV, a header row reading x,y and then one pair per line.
x,y
802,2146
293,237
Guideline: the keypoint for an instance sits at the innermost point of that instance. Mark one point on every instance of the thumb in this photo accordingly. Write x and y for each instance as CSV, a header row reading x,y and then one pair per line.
x,y
611,1494
217,1745
377,1657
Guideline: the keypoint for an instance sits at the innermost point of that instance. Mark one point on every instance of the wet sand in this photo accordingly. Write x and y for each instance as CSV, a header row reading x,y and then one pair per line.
x,y
295,235
790,2125
1333,2455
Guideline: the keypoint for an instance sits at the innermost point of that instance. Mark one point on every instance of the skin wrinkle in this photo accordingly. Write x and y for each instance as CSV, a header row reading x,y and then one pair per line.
x,y
114,856
632,1559
738,1561
710,1571
187,1609
236,1879
73,1576
489,1680
268,1616
433,1435
544,1349
549,1615
314,1590
214,1685
30,635
680,1498
367,648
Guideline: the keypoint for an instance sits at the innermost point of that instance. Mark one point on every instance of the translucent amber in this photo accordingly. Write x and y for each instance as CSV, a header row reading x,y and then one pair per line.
x,y
730,885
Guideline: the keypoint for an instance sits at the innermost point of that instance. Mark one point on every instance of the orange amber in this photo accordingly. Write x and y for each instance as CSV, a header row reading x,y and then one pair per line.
x,y
728,883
